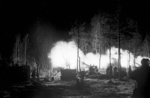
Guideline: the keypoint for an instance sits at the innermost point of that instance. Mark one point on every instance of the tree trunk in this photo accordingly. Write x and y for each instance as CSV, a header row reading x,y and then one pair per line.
x,y
119,40
79,65
110,52
77,79
119,58
129,63
110,61
129,58
100,59
25,50
37,71
134,55
110,56
129,55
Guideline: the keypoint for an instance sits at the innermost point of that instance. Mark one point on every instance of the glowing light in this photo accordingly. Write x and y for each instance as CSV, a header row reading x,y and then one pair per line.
x,y
64,54
138,60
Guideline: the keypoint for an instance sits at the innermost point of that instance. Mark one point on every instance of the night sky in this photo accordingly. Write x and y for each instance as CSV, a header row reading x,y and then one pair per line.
x,y
21,17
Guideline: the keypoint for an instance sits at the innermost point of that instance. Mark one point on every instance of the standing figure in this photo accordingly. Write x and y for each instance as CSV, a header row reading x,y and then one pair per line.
x,y
109,71
142,78
129,70
115,75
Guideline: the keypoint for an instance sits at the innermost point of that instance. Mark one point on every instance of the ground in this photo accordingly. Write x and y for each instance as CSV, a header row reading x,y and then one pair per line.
x,y
92,88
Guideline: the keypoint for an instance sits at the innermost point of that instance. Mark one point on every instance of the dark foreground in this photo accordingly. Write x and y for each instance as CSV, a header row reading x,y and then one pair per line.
x,y
92,88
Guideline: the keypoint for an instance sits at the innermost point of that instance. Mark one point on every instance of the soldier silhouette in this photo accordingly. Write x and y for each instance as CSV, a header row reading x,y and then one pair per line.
x,y
142,77
109,71
115,72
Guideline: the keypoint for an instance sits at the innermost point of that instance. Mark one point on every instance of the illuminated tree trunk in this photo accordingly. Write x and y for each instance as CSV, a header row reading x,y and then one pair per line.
x,y
119,40
110,56
110,59
119,57
128,71
129,59
77,52
100,58
134,55
79,65
110,52
129,55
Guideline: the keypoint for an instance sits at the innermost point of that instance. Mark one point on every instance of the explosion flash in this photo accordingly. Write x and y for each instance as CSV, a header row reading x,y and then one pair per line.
x,y
64,54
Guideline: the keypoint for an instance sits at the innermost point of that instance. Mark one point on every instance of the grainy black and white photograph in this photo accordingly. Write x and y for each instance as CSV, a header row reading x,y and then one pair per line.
x,y
74,49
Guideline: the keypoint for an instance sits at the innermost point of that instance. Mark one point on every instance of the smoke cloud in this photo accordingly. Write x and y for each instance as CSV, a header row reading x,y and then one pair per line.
x,y
64,54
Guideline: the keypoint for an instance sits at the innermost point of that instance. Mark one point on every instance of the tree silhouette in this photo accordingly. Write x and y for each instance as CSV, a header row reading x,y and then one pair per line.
x,y
17,50
146,45
20,51
99,27
107,30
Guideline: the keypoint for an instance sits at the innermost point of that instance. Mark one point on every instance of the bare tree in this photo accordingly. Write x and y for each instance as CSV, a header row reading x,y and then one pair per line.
x,y
81,37
146,46
26,46
20,50
17,50
99,27
133,40
41,44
